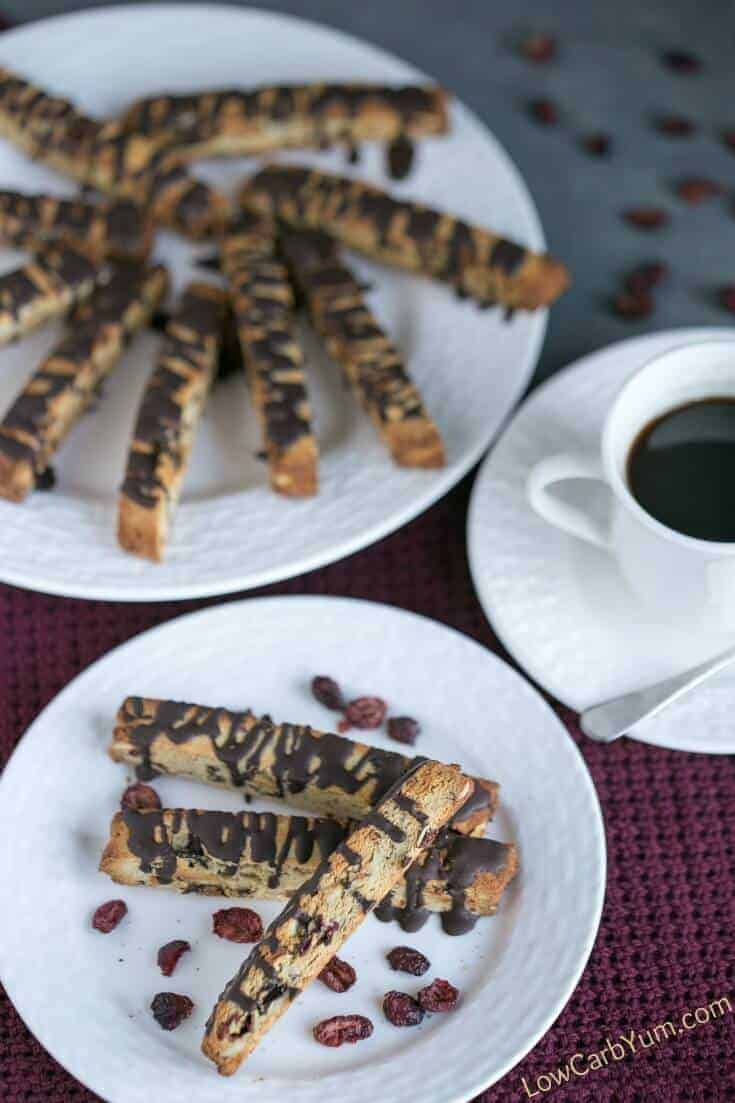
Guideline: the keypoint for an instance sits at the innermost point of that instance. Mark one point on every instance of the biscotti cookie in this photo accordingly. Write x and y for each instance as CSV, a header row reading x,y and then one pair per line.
x,y
370,361
61,389
116,228
242,122
44,288
476,262
262,302
329,907
319,771
266,857
168,419
100,154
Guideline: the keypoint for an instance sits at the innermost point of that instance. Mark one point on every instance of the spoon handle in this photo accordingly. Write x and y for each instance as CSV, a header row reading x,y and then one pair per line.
x,y
610,720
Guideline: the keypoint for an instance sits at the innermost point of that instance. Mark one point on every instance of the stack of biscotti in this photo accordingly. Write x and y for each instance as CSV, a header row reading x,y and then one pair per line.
x,y
396,836
339,779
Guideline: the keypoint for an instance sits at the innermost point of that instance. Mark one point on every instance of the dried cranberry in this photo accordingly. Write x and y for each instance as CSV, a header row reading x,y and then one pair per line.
x,y
633,305
400,1009
108,915
695,189
681,61
646,218
140,797
544,112
338,975
366,712
327,692
405,960
341,1029
170,1010
440,995
238,924
538,47
674,126
404,729
727,297
598,145
168,955
646,276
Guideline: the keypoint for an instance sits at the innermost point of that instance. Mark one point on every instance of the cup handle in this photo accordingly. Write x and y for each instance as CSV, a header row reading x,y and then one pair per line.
x,y
568,518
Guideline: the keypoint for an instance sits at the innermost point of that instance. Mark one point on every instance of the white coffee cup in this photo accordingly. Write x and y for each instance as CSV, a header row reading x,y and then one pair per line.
x,y
678,576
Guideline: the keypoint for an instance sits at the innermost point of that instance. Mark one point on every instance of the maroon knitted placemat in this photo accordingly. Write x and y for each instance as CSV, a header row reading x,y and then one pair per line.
x,y
665,946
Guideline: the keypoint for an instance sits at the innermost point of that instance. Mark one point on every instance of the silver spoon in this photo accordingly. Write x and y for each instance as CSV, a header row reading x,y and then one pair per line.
x,y
610,720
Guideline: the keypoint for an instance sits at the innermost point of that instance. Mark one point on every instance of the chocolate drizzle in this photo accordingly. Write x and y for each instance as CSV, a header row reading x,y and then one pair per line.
x,y
455,861
507,256
382,823
149,841
46,478
210,261
159,839
400,157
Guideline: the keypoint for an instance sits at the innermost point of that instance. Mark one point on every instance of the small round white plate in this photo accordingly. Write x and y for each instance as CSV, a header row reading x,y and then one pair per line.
x,y
86,996
561,607
231,531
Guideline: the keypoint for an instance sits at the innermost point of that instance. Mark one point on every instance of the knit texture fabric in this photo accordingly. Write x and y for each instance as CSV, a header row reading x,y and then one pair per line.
x,y
665,945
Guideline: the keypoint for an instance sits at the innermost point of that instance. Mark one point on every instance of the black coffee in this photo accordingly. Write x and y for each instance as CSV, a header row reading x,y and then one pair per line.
x,y
681,469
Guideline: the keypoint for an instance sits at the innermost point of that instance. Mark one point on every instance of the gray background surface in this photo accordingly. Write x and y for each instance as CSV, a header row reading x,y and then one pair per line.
x,y
608,76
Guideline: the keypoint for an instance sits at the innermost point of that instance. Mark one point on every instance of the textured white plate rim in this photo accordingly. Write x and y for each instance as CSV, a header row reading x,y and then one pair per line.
x,y
596,827
501,618
146,589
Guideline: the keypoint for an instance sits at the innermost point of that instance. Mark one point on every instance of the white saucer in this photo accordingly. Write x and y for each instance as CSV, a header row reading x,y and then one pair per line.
x,y
561,607
86,997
